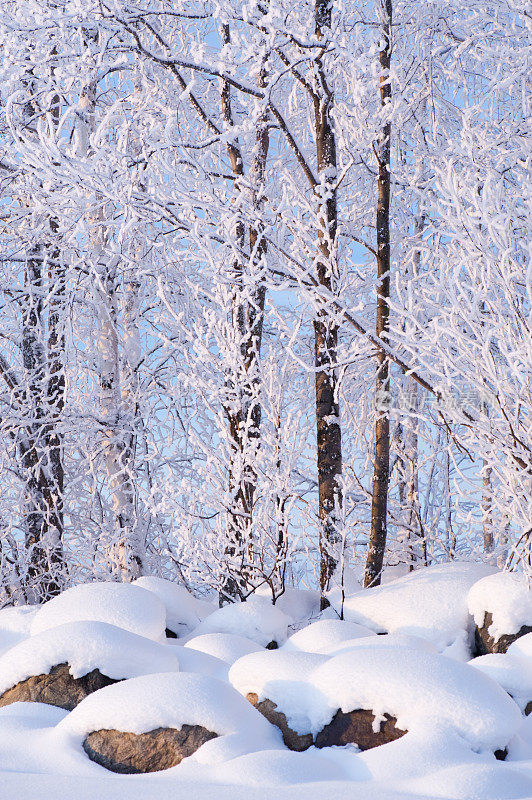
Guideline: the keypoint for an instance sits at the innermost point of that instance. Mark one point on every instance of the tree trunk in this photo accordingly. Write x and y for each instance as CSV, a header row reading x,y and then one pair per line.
x,y
381,466
127,549
244,411
328,430
43,502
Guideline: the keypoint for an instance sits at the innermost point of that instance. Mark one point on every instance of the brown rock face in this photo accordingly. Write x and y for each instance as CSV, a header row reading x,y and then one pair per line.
x,y
356,727
293,740
57,688
156,750
484,643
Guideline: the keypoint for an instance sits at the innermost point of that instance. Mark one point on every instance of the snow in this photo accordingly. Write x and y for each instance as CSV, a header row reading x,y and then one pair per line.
x,y
184,612
280,768
430,602
512,672
85,646
421,690
300,605
120,604
226,647
508,597
165,700
15,624
521,647
456,714
257,619
191,660
17,618
325,635
384,640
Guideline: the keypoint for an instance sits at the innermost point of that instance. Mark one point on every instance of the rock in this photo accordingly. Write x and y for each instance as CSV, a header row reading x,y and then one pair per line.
x,y
356,727
57,688
293,740
484,643
156,750
170,634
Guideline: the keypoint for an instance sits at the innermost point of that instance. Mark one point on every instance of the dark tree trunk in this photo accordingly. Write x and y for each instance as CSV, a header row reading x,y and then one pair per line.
x,y
328,431
381,466
44,495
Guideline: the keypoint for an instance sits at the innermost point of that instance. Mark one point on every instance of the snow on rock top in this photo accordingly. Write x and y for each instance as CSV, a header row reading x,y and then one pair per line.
x,y
386,640
522,647
85,646
165,700
507,596
228,647
257,619
183,611
431,602
120,604
282,676
512,672
325,634
422,690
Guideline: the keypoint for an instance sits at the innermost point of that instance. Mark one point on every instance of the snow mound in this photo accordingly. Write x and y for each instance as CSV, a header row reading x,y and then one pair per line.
x,y
164,700
120,604
431,602
325,634
15,624
184,612
282,677
507,596
257,619
385,640
512,672
423,690
85,646
522,647
228,647
191,660
298,604
17,618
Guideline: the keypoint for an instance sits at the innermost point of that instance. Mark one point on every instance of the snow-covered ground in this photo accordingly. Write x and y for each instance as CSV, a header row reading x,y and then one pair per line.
x,y
457,709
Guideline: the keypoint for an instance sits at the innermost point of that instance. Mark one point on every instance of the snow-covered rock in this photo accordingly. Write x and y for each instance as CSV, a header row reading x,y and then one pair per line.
x,y
227,647
167,700
325,635
275,681
512,672
522,647
501,606
430,602
384,640
257,619
85,646
184,612
120,604
420,689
